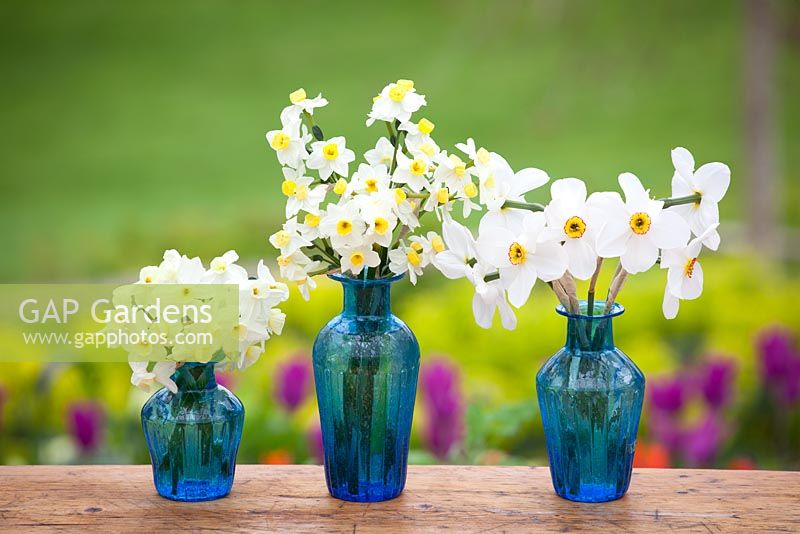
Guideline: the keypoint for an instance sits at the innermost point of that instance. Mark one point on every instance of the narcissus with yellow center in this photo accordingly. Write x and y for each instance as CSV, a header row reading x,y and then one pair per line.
x,y
640,222
516,253
575,227
330,151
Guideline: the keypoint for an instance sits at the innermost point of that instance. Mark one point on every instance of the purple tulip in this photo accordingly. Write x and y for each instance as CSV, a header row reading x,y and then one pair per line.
x,y
293,381
780,364
709,385
703,441
716,382
85,422
666,395
441,395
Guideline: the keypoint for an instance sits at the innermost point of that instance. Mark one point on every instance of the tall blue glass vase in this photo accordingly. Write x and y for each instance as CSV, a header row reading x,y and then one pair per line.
x,y
193,435
590,397
366,363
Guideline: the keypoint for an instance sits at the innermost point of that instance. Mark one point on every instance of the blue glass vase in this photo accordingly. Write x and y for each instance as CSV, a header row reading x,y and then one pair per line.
x,y
366,363
193,435
590,398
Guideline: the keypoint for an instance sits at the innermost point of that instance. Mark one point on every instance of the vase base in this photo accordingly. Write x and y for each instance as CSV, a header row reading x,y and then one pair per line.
x,y
593,493
194,491
371,493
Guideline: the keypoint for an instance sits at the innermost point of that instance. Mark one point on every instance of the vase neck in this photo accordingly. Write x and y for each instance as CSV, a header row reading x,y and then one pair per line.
x,y
193,376
590,333
366,298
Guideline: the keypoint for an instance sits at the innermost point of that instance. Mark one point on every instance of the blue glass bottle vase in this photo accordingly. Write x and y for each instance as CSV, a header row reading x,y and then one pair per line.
x,y
193,435
590,398
366,363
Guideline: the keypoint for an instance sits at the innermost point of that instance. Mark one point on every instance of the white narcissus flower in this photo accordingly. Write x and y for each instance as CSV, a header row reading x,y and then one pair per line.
x,y
412,172
301,102
382,154
300,195
397,101
427,247
636,229
711,181
684,273
343,225
522,252
459,253
223,270
370,179
452,171
574,221
423,147
405,209
420,131
289,238
289,143
509,186
297,268
248,356
355,259
161,373
257,296
310,227
379,218
405,259
439,198
331,156
490,298
177,269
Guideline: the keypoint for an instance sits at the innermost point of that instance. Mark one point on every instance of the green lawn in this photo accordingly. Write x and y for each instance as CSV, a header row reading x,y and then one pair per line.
x,y
130,128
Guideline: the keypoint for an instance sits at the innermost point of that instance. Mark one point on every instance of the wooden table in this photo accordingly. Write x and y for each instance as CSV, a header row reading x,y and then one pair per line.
x,y
455,498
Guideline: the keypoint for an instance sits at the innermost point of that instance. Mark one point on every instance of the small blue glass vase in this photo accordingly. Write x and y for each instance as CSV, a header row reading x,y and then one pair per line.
x,y
590,397
193,435
366,363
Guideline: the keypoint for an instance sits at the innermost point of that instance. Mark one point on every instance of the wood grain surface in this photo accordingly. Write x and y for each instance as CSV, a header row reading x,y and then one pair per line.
x,y
455,498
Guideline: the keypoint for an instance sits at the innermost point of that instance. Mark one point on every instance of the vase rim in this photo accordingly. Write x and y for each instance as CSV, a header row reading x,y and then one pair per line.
x,y
616,309
365,282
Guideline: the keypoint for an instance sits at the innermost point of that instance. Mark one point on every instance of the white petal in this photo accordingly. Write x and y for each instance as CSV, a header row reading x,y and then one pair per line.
x,y
675,278
680,187
669,231
683,161
528,180
507,317
670,305
640,255
569,189
483,312
533,223
550,261
713,179
691,288
520,288
582,258
635,194
450,264
613,238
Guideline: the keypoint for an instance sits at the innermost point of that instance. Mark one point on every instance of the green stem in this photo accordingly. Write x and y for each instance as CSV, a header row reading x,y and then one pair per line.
x,y
397,140
324,270
677,201
530,206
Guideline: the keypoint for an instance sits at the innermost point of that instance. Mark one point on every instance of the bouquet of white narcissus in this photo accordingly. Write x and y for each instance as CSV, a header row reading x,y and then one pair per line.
x,y
363,224
259,319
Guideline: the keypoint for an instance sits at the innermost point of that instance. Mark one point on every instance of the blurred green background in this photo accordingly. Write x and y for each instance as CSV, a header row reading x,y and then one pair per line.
x,y
132,128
